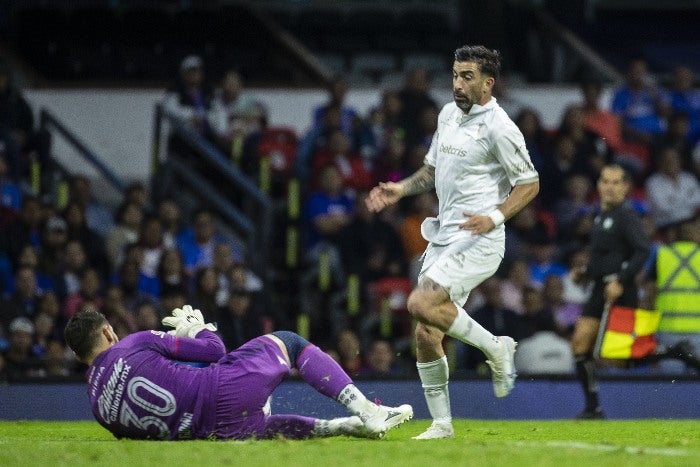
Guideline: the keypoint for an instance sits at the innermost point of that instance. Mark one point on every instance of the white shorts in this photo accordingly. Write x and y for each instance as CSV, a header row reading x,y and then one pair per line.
x,y
462,265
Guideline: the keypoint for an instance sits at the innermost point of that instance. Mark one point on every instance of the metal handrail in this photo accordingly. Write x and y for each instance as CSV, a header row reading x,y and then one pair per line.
x,y
46,119
256,232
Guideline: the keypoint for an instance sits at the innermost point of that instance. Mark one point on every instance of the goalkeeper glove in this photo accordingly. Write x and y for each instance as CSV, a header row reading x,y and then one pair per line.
x,y
187,322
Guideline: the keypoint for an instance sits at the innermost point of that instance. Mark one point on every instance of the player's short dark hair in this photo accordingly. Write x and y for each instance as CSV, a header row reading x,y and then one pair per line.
x,y
489,60
83,331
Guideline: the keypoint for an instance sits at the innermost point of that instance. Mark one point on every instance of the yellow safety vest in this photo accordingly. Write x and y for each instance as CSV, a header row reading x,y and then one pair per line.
x,y
678,287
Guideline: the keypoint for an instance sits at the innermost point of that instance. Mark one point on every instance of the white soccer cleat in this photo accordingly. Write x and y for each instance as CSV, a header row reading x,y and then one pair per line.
x,y
382,419
437,430
503,367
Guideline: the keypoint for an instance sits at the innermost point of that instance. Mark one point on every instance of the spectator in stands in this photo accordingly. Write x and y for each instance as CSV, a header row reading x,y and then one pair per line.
x,y
390,163
601,121
591,151
171,223
171,273
97,216
172,298
28,257
54,239
563,162
370,247
676,136
151,242
89,293
314,141
516,279
538,315
115,310
129,216
524,225
223,264
357,172
673,193
529,122
22,142
421,206
44,331
198,251
49,304
240,319
391,108
190,99
240,276
27,229
57,362
415,97
234,114
350,352
132,289
73,263
637,102
564,313
137,193
683,97
78,230
427,120
20,359
23,301
542,258
147,317
204,291
577,194
329,209
381,361
370,135
150,285
575,292
349,117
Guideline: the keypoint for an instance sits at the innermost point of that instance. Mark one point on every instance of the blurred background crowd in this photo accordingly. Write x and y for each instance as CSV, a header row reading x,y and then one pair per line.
x,y
344,285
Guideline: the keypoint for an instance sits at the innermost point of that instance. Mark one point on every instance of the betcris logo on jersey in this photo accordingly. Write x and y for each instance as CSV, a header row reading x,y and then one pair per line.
x,y
453,150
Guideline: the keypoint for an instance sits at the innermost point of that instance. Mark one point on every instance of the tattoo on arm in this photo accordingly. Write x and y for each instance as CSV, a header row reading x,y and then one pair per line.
x,y
422,180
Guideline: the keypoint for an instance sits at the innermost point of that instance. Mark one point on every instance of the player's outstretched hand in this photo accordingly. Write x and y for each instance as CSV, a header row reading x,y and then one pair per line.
x,y
187,322
383,195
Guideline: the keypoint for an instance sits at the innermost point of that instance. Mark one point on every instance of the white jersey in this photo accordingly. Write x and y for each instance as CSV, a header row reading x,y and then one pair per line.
x,y
478,158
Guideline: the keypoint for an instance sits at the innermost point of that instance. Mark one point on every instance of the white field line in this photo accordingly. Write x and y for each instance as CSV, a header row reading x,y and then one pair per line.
x,y
609,447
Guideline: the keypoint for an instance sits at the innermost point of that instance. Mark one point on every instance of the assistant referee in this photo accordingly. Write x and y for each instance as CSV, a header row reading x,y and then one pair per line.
x,y
618,250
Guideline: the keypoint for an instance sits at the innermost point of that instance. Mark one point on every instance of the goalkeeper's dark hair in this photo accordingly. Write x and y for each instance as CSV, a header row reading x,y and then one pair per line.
x,y
489,61
82,331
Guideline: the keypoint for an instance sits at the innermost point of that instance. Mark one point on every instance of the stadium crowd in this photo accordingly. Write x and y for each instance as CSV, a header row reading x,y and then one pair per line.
x,y
144,258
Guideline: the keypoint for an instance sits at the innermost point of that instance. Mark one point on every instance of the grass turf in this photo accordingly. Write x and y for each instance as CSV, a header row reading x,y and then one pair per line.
x,y
477,442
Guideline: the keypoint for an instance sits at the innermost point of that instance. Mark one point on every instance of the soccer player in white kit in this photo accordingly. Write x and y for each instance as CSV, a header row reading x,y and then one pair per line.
x,y
482,174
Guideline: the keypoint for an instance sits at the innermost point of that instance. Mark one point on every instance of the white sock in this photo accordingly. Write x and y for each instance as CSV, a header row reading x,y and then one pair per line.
x,y
353,399
466,329
434,377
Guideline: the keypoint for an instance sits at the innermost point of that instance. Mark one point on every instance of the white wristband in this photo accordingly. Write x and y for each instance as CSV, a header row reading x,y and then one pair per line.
x,y
497,217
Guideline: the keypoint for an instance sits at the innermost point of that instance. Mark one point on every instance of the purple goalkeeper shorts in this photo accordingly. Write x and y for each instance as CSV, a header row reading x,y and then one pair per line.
x,y
247,377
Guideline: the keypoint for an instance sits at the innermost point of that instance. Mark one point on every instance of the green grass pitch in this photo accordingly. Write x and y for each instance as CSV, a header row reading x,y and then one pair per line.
x,y
477,442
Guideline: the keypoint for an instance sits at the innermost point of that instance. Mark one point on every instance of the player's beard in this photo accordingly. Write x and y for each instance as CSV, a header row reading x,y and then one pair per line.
x,y
464,103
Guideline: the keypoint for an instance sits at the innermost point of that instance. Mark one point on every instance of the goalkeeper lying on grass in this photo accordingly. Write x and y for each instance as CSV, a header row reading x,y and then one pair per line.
x,y
139,388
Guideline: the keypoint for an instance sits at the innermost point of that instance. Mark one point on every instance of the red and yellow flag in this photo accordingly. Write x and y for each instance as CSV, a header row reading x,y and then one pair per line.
x,y
629,333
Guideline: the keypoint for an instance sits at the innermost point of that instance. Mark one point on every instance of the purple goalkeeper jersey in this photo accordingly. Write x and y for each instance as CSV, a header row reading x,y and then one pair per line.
x,y
139,388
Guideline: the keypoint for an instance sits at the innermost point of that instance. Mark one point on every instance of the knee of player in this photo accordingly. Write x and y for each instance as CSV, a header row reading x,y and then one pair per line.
x,y
418,306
